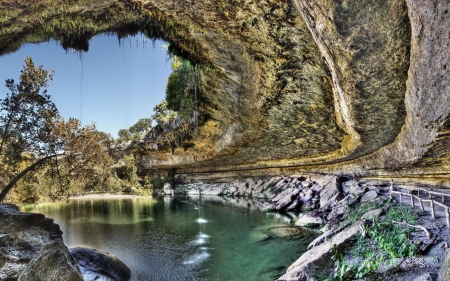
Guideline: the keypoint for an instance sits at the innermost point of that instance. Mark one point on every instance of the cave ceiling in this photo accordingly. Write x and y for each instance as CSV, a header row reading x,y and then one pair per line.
x,y
341,86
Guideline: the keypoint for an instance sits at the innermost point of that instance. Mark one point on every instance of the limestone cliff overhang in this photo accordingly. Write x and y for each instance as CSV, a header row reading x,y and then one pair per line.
x,y
357,87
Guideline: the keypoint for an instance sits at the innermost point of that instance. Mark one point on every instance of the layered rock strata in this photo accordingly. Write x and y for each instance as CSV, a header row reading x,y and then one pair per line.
x,y
32,248
298,86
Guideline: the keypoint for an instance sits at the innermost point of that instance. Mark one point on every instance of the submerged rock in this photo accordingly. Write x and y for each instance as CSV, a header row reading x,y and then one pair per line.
x,y
285,232
99,265
257,237
52,263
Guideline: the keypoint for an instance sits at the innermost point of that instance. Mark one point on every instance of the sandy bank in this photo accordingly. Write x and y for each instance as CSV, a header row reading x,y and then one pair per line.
x,y
106,196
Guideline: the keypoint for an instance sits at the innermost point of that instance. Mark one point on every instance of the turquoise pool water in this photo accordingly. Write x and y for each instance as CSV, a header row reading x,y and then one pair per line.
x,y
182,238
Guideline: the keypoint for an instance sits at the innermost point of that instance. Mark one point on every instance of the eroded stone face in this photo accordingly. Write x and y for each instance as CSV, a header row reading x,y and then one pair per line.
x,y
339,86
22,237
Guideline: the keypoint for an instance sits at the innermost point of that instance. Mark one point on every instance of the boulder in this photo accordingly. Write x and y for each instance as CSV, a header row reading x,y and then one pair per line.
x,y
317,261
377,183
330,232
307,195
353,188
259,187
23,236
241,189
327,186
100,265
320,239
194,191
373,214
287,199
283,194
281,182
167,189
444,272
307,220
212,191
53,263
260,191
424,277
232,190
294,205
373,187
306,184
268,193
337,212
267,207
295,181
369,196
251,184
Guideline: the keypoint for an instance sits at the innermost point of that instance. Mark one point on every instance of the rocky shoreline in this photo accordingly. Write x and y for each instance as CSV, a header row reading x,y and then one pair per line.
x,y
32,248
347,212
291,193
327,202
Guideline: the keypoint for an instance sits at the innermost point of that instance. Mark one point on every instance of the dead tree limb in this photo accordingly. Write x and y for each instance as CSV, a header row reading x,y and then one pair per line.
x,y
415,226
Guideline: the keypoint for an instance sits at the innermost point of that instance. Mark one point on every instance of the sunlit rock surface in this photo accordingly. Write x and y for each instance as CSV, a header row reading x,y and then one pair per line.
x,y
100,265
349,87
31,246
52,263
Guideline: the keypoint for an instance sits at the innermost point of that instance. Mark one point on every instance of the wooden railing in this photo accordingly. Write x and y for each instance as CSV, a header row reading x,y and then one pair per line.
x,y
421,201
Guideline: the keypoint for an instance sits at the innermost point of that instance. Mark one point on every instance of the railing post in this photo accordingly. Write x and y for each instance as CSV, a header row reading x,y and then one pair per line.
x,y
391,188
401,199
412,200
447,216
432,209
421,204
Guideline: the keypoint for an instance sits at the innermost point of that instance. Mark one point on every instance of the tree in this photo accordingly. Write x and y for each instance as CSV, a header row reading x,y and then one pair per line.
x,y
32,131
181,89
107,140
143,125
124,134
135,132
162,114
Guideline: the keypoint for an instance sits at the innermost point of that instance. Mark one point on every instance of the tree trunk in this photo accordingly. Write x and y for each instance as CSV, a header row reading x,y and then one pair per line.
x,y
30,168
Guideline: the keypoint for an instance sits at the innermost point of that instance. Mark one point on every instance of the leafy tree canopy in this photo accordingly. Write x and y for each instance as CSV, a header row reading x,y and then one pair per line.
x,y
124,134
32,133
181,87
162,114
143,125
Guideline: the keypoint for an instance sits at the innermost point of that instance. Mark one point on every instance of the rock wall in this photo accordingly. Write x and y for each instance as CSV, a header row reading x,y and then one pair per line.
x,y
353,87
32,248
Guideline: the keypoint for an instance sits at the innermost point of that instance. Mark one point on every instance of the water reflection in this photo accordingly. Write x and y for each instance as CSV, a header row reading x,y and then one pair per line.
x,y
201,254
182,238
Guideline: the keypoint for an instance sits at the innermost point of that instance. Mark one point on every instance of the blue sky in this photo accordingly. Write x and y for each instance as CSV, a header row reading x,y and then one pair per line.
x,y
112,84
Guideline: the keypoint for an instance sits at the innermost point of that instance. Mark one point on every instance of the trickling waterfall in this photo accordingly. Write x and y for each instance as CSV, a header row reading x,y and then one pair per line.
x,y
111,85
81,86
